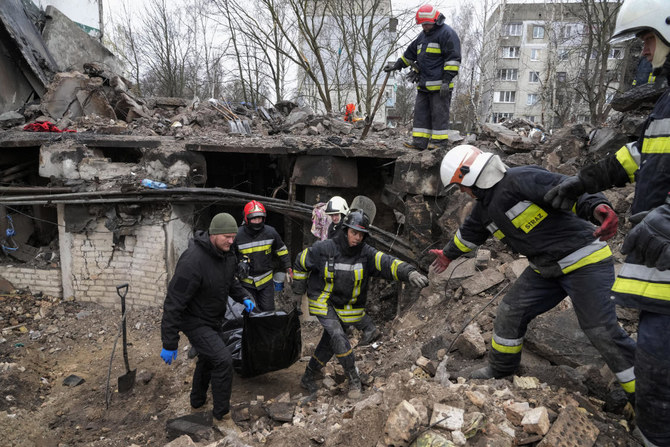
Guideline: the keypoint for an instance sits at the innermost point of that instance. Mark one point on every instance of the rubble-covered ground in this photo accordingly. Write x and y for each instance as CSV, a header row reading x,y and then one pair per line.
x,y
44,341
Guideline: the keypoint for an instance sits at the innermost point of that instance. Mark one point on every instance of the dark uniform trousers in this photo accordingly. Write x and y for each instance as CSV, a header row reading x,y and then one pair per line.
x,y
532,295
264,297
431,119
214,365
653,374
333,341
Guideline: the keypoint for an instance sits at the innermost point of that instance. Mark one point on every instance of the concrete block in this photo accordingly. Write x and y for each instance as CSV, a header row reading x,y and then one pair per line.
x,y
482,281
515,411
536,421
453,417
572,428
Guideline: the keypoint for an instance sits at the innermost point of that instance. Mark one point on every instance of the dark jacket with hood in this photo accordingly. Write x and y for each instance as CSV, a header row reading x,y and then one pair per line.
x,y
198,292
337,275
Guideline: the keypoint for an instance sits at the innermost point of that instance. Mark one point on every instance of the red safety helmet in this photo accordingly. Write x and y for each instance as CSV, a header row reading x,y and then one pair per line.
x,y
253,209
429,14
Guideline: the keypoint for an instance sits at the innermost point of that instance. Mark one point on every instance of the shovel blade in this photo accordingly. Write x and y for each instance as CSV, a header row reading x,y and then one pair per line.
x,y
127,381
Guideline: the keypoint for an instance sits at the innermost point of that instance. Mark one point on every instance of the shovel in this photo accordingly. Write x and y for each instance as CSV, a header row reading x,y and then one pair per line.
x,y
127,380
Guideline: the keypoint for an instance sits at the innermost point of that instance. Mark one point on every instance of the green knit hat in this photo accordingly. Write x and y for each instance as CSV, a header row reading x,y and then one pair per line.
x,y
223,223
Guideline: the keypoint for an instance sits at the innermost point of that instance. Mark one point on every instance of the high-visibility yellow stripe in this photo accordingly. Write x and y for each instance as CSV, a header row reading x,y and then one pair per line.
x,y
628,163
394,268
506,349
440,137
405,61
461,246
303,256
378,261
499,235
433,50
319,361
628,387
282,252
421,134
656,291
358,278
451,67
266,248
658,145
594,257
298,275
345,354
529,218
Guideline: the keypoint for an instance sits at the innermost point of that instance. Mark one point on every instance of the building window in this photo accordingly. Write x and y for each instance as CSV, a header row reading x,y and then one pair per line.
x,y
508,74
532,99
512,29
561,76
563,54
534,54
533,77
504,96
538,32
501,116
615,53
567,31
510,52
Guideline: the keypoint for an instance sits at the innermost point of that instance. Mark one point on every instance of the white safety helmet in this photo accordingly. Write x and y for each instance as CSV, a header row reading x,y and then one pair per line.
x,y
468,166
636,16
337,205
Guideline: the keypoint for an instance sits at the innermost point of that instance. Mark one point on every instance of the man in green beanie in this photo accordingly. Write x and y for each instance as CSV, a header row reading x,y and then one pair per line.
x,y
196,305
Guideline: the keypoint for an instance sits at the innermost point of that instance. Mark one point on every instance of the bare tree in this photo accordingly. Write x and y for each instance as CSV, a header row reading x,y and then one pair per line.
x,y
124,41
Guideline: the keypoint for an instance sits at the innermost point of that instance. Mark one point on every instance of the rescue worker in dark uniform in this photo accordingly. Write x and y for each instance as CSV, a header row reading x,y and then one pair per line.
x,y
566,256
337,209
256,244
437,53
335,274
644,279
196,305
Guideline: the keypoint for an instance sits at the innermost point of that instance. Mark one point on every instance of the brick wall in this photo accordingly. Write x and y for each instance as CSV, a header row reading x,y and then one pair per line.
x,y
47,281
97,266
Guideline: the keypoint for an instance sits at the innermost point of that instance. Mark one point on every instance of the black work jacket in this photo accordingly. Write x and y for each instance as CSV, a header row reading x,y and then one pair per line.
x,y
336,275
260,246
198,292
438,56
515,212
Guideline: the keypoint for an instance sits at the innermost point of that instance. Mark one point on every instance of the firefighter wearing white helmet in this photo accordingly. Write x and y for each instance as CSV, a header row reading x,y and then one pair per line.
x,y
567,255
643,282
336,208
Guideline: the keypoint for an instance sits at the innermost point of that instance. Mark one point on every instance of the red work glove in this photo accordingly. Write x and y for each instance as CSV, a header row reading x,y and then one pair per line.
x,y
608,222
289,275
441,262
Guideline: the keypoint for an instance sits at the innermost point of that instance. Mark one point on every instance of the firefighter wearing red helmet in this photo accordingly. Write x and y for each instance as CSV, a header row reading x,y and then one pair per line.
x,y
258,245
437,54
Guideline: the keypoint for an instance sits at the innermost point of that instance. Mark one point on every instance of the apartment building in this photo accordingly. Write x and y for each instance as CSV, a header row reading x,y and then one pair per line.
x,y
544,63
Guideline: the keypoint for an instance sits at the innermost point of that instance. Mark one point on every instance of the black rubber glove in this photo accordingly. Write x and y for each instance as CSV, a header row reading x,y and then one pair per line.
x,y
413,76
243,268
649,241
398,65
564,195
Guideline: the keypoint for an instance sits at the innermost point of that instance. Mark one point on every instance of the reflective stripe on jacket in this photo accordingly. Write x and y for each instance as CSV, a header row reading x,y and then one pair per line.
x,y
556,242
260,247
438,55
334,278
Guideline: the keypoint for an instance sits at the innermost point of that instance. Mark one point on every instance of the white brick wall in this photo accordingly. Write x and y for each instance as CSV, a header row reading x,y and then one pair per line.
x,y
98,267
47,281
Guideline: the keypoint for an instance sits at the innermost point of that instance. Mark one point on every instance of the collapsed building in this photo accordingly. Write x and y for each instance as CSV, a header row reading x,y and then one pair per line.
x,y
76,220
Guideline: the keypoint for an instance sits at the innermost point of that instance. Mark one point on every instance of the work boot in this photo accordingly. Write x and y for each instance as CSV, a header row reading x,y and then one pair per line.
x,y
225,424
355,386
308,382
486,373
413,146
370,337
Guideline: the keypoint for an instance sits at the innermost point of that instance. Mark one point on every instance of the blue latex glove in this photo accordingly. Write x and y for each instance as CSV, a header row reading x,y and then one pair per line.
x,y
249,305
168,356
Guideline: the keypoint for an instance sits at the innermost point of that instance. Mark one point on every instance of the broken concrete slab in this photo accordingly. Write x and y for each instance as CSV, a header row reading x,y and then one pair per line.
x,y
281,411
508,137
198,426
607,139
571,429
403,421
419,173
482,281
448,417
11,119
71,47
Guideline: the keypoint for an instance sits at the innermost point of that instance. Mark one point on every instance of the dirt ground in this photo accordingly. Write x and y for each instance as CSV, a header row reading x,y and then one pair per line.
x,y
45,340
